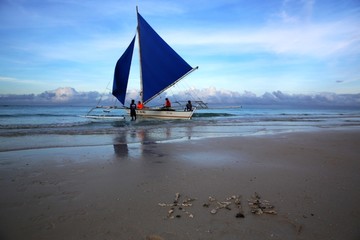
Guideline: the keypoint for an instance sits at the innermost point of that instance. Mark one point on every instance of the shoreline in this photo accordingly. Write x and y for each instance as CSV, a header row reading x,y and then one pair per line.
x,y
140,136
113,190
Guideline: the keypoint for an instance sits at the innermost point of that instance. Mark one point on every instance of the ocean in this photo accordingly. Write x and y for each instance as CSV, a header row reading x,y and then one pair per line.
x,y
62,126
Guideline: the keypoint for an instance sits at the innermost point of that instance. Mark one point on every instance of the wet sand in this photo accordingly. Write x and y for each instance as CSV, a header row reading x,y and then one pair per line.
x,y
114,191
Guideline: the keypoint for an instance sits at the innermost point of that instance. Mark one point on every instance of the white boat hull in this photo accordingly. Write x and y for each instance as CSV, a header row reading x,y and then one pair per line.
x,y
163,114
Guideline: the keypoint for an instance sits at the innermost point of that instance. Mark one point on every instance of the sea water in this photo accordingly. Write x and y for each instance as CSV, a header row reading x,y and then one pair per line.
x,y
60,126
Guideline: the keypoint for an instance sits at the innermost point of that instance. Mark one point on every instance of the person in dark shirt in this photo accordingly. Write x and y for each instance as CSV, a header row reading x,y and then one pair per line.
x,y
133,110
189,106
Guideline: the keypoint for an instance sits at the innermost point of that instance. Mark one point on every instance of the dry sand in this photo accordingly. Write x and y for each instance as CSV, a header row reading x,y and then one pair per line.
x,y
112,192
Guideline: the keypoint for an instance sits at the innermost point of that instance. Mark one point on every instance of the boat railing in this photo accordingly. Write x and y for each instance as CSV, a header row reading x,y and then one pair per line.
x,y
198,104
181,105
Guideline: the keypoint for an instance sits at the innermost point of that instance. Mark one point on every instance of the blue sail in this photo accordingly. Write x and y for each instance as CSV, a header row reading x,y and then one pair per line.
x,y
121,73
161,66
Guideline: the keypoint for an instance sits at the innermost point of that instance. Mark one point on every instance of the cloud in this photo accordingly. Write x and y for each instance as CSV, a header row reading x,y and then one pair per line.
x,y
319,40
325,99
289,44
288,31
281,35
66,95
6,79
294,11
212,96
17,81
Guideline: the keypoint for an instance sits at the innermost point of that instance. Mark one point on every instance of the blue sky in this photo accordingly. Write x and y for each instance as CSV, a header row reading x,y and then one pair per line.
x,y
295,46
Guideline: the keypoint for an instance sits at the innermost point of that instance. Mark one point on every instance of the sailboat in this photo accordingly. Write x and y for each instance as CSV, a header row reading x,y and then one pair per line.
x,y
160,68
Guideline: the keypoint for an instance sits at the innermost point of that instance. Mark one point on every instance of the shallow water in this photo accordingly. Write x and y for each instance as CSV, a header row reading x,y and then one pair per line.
x,y
61,126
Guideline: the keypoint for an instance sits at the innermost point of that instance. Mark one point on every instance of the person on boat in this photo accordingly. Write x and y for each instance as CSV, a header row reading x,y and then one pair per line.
x,y
133,110
188,106
140,105
167,103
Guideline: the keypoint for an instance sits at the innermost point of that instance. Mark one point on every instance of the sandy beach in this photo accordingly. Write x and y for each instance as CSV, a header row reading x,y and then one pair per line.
x,y
124,191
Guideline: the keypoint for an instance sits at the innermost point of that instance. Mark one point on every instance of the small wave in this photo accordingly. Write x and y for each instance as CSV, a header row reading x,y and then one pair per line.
x,y
199,115
37,126
22,115
291,120
297,114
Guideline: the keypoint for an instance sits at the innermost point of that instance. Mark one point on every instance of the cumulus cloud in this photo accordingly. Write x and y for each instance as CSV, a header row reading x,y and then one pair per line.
x,y
212,96
326,99
65,95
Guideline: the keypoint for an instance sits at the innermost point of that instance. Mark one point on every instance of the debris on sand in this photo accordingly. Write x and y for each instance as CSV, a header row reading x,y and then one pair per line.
x,y
258,206
226,204
178,206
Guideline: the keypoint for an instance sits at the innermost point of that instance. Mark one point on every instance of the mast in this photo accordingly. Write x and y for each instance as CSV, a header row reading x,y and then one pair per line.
x,y
140,62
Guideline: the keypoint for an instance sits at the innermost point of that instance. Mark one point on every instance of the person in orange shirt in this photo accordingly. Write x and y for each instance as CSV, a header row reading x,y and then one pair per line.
x,y
140,105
